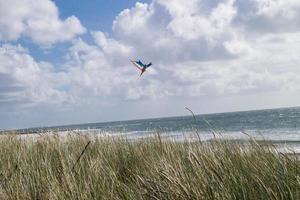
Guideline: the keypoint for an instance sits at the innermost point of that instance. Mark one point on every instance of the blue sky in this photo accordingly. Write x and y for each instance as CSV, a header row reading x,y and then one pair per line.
x,y
94,14
67,62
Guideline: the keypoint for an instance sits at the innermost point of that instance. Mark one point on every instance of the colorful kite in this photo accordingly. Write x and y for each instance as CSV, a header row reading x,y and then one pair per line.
x,y
141,66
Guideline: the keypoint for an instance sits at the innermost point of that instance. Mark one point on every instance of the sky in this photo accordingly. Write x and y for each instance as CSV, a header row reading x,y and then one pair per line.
x,y
67,62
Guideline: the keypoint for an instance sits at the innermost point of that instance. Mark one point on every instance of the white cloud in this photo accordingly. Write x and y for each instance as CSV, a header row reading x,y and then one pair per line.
x,y
288,9
169,32
112,49
237,47
38,20
258,17
190,22
93,72
27,81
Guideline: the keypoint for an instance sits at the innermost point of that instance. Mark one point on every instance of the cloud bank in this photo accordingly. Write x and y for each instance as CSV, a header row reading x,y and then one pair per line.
x,y
38,20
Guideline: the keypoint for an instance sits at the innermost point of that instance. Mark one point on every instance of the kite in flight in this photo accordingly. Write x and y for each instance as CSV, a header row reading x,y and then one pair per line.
x,y
141,66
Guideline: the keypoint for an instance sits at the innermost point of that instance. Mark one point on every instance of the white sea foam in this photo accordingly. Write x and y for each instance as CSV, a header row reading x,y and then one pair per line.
x,y
285,140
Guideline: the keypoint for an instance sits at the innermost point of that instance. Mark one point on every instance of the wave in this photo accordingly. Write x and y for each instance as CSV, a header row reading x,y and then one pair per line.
x,y
285,139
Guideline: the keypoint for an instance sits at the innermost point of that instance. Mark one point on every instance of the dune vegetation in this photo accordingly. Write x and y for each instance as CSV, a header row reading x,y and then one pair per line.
x,y
81,167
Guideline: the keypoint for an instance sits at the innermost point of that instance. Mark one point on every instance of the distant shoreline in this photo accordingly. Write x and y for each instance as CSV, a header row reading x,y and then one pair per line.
x,y
285,146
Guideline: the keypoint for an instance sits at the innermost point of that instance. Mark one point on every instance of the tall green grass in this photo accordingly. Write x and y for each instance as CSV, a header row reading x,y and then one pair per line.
x,y
110,168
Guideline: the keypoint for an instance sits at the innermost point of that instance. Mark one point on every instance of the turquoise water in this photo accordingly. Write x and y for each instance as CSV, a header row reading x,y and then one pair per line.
x,y
277,125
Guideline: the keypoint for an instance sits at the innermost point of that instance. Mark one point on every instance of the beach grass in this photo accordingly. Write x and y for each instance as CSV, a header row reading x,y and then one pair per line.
x,y
81,167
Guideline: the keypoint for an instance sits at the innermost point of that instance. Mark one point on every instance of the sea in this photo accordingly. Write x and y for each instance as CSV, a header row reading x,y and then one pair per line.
x,y
279,126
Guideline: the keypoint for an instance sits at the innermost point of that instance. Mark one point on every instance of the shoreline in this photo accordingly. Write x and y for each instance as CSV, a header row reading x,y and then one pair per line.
x,y
284,146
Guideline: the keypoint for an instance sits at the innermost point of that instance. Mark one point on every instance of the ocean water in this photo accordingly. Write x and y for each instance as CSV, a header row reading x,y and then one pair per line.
x,y
280,126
